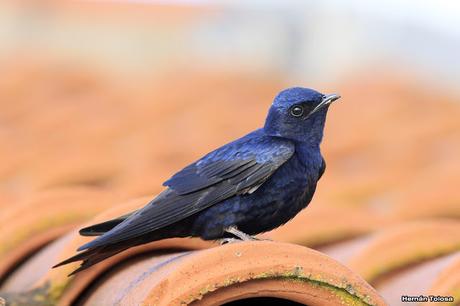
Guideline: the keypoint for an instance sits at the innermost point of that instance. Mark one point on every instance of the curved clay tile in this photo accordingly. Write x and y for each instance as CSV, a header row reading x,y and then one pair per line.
x,y
343,251
55,285
435,193
37,281
75,286
232,272
412,280
212,274
448,281
325,224
208,277
28,225
405,244
27,273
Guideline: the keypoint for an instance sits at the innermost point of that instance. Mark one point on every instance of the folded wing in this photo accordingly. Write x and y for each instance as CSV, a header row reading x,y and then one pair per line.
x,y
237,168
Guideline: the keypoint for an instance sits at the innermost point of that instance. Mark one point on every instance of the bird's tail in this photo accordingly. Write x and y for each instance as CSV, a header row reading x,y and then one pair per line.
x,y
94,255
91,257
102,228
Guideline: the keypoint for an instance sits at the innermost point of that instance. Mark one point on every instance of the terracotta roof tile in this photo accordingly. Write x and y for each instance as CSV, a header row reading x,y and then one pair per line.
x,y
414,280
207,276
374,209
28,225
405,244
447,282
325,224
57,278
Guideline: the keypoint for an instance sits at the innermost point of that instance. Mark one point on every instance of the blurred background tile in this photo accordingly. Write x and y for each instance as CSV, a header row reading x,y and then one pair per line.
x,y
101,101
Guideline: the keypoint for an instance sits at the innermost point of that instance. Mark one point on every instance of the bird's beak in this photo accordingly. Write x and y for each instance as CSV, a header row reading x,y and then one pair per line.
x,y
328,99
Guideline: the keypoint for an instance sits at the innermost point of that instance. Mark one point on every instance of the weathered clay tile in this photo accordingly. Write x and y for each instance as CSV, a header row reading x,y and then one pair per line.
x,y
406,244
447,283
28,225
325,224
414,280
56,280
240,270
392,152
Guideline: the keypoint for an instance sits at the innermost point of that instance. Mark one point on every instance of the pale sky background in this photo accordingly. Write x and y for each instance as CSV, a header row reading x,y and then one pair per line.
x,y
302,40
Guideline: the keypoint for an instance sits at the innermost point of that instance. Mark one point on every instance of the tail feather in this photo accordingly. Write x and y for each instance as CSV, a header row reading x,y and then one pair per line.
x,y
101,228
93,256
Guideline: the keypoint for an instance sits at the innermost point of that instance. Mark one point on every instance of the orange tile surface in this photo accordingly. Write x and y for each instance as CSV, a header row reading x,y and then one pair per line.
x,y
81,146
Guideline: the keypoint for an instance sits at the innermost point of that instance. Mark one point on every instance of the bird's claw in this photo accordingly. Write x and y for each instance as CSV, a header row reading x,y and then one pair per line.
x,y
229,240
241,235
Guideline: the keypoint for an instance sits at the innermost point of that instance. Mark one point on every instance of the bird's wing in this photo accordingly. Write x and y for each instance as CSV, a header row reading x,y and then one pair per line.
x,y
237,168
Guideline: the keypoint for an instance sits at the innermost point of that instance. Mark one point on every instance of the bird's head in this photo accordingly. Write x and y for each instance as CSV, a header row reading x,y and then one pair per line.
x,y
299,114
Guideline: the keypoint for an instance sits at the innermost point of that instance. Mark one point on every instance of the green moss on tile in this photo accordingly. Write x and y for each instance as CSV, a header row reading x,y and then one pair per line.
x,y
36,297
346,292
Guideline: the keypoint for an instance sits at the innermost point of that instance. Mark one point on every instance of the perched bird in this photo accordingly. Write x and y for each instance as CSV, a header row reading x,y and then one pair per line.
x,y
249,186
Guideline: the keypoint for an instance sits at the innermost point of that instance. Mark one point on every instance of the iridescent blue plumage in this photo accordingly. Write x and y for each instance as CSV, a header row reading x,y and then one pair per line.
x,y
255,184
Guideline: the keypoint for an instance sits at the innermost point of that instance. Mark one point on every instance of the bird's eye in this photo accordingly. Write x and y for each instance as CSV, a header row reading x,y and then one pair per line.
x,y
297,110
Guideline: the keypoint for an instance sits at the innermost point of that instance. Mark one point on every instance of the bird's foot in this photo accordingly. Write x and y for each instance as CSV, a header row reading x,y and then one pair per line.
x,y
229,240
241,235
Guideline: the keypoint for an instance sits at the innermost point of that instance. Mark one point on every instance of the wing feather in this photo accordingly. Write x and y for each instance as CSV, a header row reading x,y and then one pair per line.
x,y
232,170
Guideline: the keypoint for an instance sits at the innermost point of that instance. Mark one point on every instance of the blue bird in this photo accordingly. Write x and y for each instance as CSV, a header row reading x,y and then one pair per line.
x,y
249,186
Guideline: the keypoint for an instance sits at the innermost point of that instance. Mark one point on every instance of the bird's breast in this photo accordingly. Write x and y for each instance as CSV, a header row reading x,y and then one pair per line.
x,y
293,185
